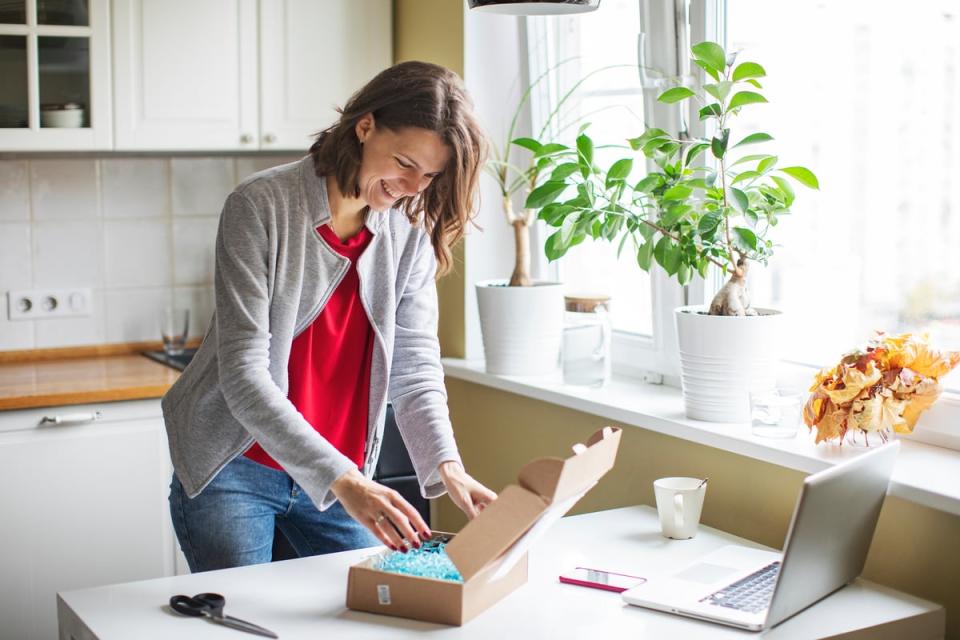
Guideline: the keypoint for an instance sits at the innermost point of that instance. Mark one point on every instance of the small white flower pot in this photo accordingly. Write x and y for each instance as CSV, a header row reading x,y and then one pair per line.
x,y
723,358
521,327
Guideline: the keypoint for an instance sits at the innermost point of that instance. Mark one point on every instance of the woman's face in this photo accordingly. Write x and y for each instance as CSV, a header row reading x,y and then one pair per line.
x,y
397,163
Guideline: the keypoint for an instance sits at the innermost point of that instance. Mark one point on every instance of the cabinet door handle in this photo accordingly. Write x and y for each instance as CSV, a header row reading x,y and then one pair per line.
x,y
68,418
269,138
246,138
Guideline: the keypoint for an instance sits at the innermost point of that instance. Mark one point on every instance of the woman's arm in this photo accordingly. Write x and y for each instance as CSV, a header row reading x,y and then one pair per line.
x,y
418,393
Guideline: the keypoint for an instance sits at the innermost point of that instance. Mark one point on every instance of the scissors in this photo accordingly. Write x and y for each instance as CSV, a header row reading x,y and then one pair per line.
x,y
211,605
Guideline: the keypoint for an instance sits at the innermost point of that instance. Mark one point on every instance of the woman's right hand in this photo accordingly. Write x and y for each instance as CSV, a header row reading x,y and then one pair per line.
x,y
381,510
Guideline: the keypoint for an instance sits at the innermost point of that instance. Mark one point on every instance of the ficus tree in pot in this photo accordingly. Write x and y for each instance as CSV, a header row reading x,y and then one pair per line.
x,y
688,213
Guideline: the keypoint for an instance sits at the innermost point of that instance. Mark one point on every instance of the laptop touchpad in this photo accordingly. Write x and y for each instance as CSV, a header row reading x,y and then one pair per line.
x,y
705,572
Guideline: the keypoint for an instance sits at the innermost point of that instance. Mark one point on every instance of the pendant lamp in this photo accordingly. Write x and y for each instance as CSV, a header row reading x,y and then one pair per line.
x,y
533,7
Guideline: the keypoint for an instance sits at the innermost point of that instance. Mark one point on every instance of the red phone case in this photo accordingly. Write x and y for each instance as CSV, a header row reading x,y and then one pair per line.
x,y
597,585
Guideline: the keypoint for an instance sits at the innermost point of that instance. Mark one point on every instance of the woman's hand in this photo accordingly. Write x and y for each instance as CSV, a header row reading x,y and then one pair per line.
x,y
381,510
466,493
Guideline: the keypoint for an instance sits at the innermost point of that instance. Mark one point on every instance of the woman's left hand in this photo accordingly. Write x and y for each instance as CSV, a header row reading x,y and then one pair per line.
x,y
466,493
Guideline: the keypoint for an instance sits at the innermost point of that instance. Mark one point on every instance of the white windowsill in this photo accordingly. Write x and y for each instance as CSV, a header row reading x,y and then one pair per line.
x,y
925,474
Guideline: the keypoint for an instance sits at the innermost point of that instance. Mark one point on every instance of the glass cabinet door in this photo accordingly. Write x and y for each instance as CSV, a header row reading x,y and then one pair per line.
x,y
14,102
54,75
13,12
64,70
63,12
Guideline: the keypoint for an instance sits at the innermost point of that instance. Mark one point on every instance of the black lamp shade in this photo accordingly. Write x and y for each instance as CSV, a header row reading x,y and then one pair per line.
x,y
534,7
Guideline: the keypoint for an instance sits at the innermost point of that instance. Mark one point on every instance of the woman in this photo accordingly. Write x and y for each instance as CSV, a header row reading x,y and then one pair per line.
x,y
326,308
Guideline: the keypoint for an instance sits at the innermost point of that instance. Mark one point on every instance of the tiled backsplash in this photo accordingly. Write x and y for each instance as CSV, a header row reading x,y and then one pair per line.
x,y
138,231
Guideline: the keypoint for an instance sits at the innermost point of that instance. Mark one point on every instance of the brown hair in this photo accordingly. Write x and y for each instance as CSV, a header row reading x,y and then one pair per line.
x,y
428,96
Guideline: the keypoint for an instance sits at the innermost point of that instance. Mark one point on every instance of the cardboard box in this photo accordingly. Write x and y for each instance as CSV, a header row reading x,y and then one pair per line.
x,y
491,550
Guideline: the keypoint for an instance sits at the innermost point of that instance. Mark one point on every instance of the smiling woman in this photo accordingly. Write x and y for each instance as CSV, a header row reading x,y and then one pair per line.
x,y
326,309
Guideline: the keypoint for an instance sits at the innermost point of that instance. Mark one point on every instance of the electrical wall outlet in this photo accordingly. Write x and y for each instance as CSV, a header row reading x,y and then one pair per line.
x,y
35,304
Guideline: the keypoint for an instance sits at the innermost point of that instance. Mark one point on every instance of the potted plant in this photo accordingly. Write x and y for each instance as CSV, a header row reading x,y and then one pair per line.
x,y
521,320
688,215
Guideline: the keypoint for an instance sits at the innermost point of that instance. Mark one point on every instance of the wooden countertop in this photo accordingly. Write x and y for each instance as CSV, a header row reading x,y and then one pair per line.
x,y
51,377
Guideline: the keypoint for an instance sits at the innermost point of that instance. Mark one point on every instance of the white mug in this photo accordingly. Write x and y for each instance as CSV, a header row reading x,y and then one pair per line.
x,y
679,502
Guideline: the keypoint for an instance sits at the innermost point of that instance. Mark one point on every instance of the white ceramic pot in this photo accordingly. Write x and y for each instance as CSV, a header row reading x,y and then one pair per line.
x,y
521,327
723,358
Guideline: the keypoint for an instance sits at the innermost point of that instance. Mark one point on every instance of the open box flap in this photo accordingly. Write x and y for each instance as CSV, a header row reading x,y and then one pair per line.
x,y
518,507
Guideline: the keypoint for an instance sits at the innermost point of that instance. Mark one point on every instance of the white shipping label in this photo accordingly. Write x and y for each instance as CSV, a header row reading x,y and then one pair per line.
x,y
383,593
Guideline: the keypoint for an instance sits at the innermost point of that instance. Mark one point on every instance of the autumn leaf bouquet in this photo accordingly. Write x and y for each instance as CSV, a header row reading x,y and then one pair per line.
x,y
878,390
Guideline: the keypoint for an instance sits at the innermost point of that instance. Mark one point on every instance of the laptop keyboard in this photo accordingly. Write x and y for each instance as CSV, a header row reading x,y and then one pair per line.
x,y
751,594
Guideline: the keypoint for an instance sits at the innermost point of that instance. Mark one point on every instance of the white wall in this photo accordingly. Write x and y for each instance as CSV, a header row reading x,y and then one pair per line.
x,y
138,231
495,75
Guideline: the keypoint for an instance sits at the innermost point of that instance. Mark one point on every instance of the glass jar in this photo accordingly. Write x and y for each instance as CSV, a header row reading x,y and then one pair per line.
x,y
586,340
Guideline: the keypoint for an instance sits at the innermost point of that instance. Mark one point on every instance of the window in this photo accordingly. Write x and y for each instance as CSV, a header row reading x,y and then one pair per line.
x,y
861,92
611,100
872,107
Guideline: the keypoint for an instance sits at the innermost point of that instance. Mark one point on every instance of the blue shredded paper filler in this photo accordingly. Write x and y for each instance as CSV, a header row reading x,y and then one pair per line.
x,y
429,561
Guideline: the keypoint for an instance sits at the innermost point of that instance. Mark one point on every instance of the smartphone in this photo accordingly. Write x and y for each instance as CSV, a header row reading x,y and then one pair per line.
x,y
606,580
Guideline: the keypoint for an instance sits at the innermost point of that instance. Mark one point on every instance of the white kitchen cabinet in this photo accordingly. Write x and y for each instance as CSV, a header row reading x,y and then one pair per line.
x,y
82,504
313,57
185,74
240,74
55,76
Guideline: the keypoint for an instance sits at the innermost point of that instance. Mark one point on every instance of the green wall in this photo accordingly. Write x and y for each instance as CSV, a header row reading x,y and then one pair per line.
x,y
432,30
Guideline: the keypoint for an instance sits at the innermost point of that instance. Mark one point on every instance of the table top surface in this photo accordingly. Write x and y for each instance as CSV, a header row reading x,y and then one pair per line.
x,y
304,598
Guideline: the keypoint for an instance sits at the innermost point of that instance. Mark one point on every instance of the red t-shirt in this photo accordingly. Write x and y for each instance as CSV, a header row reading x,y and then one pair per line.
x,y
329,366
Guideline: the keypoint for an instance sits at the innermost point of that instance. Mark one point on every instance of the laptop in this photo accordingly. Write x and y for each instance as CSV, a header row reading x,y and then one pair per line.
x,y
826,548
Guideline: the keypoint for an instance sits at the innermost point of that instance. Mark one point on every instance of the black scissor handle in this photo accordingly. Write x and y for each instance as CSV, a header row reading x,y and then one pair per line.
x,y
199,605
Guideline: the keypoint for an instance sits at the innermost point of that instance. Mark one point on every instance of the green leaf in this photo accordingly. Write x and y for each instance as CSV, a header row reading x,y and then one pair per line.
x,y
746,70
567,229
527,143
693,151
645,255
649,183
611,227
553,248
755,83
745,175
710,70
802,175
675,95
545,194
745,239
754,138
712,110
744,97
683,274
750,158
674,214
709,223
740,199
766,163
564,171
677,192
647,136
585,154
711,54
551,148
719,143
720,91
786,189
620,169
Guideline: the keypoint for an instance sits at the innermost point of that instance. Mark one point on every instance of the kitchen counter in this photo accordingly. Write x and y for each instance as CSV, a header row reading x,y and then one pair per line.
x,y
81,375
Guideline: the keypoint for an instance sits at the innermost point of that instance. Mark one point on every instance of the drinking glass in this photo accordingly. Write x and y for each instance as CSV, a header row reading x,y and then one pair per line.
x,y
174,327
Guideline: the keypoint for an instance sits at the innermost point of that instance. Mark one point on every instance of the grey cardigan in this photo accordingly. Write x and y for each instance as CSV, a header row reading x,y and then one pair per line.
x,y
273,275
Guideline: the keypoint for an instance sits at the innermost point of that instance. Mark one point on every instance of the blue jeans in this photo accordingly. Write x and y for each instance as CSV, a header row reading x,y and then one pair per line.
x,y
231,523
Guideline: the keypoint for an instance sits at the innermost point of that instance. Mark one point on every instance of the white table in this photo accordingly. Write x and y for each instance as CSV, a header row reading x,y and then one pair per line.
x,y
304,598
